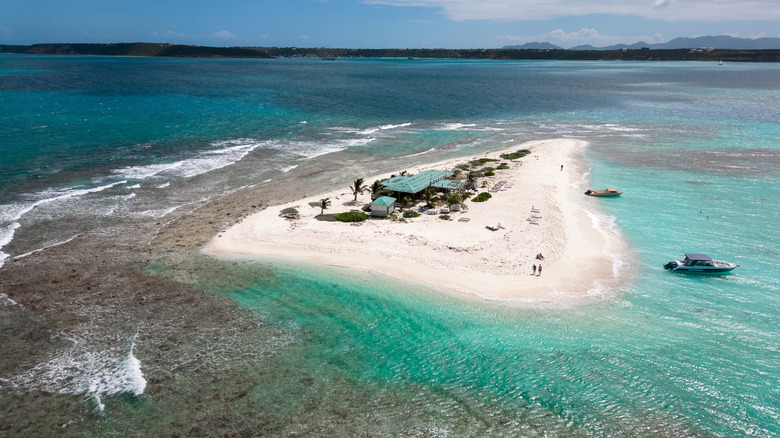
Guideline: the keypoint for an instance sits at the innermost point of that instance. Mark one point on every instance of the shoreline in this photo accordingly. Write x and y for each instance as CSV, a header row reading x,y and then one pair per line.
x,y
460,258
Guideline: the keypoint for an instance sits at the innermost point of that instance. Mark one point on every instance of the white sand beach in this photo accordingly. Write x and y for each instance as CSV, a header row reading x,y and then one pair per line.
x,y
458,256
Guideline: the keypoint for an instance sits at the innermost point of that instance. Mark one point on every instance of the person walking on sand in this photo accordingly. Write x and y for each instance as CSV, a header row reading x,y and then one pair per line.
x,y
561,167
534,269
540,270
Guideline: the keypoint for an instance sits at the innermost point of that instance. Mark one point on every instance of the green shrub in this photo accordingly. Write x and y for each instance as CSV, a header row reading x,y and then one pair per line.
x,y
481,161
411,213
489,173
351,216
326,217
444,217
502,166
515,155
482,197
289,213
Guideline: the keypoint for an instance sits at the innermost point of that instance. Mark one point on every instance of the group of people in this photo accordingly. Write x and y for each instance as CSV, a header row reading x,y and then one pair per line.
x,y
537,270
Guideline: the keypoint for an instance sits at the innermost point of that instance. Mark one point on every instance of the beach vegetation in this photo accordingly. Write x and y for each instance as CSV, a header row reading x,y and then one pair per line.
x,y
290,213
324,203
503,166
515,155
444,217
454,199
489,173
481,162
411,214
430,197
482,197
463,166
366,208
358,187
377,190
406,200
351,216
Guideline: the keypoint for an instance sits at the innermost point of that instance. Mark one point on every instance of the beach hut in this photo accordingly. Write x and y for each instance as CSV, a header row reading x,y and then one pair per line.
x,y
383,206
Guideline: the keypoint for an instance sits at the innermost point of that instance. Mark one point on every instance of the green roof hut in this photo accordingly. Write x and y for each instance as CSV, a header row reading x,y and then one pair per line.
x,y
383,206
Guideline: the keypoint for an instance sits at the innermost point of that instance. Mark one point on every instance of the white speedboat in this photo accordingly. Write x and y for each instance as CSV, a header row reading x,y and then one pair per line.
x,y
700,264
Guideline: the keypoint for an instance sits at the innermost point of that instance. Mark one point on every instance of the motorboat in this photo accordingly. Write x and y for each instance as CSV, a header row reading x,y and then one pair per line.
x,y
604,193
700,264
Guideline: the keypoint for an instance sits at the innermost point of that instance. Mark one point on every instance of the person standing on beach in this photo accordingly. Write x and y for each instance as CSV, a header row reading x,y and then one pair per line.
x,y
540,270
561,167
534,269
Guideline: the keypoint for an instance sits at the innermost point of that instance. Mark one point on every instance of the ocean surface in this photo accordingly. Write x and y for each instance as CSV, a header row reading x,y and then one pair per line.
x,y
87,142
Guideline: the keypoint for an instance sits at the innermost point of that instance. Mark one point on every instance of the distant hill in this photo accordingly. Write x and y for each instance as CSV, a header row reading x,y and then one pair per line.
x,y
543,52
535,46
717,42
138,49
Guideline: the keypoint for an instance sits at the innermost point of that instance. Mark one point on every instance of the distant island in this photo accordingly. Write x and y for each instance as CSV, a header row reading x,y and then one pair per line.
x,y
642,53
714,42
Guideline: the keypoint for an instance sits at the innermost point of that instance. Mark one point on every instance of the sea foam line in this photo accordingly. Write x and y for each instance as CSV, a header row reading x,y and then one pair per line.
x,y
79,370
44,247
203,162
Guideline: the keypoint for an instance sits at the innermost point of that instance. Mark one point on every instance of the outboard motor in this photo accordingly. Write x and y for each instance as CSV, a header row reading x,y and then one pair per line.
x,y
670,265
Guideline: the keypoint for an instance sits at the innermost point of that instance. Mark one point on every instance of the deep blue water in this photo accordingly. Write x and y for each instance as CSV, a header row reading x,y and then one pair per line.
x,y
693,145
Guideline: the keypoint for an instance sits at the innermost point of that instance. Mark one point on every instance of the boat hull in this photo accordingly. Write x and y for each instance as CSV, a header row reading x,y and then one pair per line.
x,y
604,193
718,267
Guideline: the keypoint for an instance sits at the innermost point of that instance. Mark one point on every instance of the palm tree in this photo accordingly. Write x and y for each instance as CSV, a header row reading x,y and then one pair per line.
x,y
471,178
430,197
324,203
406,200
376,189
454,198
358,188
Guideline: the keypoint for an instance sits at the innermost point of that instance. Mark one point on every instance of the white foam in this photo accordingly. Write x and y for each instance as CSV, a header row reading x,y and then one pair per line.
x,y
134,186
419,153
456,126
15,212
6,236
203,162
44,247
77,370
8,301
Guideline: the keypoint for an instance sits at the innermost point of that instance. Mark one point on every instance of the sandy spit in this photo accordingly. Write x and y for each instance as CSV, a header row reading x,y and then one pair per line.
x,y
544,211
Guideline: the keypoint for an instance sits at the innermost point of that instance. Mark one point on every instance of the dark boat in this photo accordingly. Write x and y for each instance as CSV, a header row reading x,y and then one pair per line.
x,y
700,264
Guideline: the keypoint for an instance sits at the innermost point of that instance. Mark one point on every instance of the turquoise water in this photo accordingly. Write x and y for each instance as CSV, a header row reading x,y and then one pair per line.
x,y
693,145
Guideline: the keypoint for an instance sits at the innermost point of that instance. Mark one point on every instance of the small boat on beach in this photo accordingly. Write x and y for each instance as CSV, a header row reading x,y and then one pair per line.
x,y
700,264
604,193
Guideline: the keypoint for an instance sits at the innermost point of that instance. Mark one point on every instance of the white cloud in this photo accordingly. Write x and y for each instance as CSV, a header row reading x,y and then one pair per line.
x,y
171,35
669,10
5,33
224,35
583,36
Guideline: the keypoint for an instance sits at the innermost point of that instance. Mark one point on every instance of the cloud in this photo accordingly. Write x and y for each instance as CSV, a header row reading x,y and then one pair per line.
x,y
171,35
582,36
224,35
5,33
669,10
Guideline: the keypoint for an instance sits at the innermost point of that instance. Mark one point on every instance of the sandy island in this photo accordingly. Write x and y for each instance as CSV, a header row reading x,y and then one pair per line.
x,y
457,256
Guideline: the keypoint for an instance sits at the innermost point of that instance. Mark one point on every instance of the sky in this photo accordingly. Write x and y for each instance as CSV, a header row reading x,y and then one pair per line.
x,y
382,23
